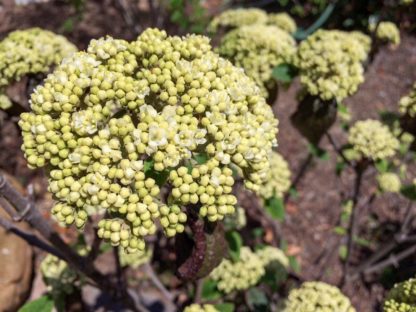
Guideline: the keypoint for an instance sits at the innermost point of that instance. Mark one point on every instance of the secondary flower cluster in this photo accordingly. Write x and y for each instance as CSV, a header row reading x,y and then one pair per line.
x,y
30,51
258,49
283,21
330,64
200,308
247,271
402,297
407,104
238,17
317,297
389,182
372,140
278,178
235,18
57,275
108,122
135,259
387,32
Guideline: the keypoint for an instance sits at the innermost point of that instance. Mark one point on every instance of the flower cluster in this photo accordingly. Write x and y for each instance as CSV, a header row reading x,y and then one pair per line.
x,y
402,298
330,64
407,104
5,102
389,182
387,32
239,275
248,270
278,178
200,308
57,275
30,51
283,21
237,220
258,49
317,297
237,17
270,254
364,39
134,259
108,123
372,140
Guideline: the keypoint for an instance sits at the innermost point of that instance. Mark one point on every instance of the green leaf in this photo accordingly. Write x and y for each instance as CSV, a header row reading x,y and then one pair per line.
x,y
362,241
343,252
276,274
382,165
210,290
284,73
318,152
293,192
276,208
148,165
409,191
340,230
257,299
294,264
225,307
42,304
234,244
201,158
339,167
258,232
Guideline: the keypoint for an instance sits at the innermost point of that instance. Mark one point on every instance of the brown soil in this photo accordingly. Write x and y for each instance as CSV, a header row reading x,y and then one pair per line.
x,y
312,216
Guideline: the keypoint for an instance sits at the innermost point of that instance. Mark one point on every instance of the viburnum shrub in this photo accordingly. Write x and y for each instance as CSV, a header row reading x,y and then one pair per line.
x,y
402,298
258,49
317,297
29,51
115,124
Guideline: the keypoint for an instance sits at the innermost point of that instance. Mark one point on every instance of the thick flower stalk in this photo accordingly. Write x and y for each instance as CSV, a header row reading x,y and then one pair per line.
x,y
114,124
200,308
402,298
389,182
330,64
236,18
278,178
317,297
283,21
30,51
372,140
407,104
239,275
387,32
258,49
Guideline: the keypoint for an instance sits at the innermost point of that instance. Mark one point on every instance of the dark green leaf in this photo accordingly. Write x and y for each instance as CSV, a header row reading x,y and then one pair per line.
x,y
276,208
234,244
362,241
339,167
210,291
225,307
42,304
147,165
293,192
257,299
318,152
201,158
275,276
382,165
284,73
409,191
258,232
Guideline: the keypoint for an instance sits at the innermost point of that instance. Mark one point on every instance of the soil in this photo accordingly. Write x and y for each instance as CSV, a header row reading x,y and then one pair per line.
x,y
312,216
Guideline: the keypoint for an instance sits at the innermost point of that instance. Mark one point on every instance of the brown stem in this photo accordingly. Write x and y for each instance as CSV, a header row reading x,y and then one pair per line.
x,y
28,212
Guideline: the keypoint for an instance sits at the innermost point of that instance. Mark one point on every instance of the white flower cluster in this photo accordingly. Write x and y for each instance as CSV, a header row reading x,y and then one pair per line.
x,y
387,32
238,17
402,297
389,182
330,64
258,49
200,308
278,178
283,21
108,122
372,140
407,104
317,297
248,270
